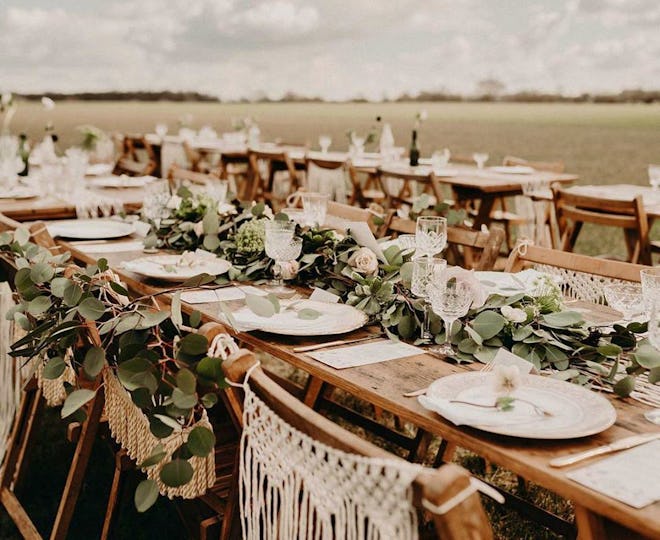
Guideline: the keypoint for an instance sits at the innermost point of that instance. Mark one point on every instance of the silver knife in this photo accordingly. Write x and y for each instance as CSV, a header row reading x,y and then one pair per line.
x,y
309,348
623,444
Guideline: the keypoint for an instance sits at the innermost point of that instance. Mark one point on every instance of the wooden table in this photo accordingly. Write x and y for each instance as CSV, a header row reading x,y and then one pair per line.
x,y
383,385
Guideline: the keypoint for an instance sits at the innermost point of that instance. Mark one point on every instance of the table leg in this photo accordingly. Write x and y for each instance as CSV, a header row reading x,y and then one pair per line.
x,y
485,208
590,526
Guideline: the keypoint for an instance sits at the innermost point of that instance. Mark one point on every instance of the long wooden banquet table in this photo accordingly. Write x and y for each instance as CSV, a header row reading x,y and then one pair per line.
x,y
383,385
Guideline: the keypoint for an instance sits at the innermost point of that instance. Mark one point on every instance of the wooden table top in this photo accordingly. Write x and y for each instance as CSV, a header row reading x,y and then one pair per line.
x,y
383,384
624,192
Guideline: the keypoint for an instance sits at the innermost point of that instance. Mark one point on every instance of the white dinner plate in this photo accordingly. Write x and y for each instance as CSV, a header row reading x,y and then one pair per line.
x,y
90,229
121,181
512,169
576,411
334,319
508,284
19,192
99,169
172,268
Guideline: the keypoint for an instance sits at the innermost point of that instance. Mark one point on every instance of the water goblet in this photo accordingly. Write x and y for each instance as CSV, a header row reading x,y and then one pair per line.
x,y
480,158
654,337
156,197
315,206
430,235
406,242
450,300
624,297
426,271
324,142
650,278
217,189
654,176
282,247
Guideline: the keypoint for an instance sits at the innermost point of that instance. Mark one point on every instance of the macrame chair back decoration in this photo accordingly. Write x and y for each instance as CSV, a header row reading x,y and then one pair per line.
x,y
580,277
130,428
303,477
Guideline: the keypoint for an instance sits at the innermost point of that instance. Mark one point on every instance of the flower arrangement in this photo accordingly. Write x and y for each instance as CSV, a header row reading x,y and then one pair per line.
x,y
81,321
534,326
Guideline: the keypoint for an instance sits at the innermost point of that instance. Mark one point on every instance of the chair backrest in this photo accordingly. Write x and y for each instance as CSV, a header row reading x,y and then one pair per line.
x,y
580,277
549,166
465,247
263,164
402,186
574,209
137,158
457,513
178,176
329,176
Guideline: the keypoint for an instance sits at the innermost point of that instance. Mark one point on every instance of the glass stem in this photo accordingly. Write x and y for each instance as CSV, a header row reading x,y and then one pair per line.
x,y
448,324
426,325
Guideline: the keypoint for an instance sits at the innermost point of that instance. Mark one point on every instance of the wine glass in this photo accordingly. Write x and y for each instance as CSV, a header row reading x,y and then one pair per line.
x,y
154,204
650,278
450,300
315,206
324,142
406,242
426,270
624,297
440,159
480,158
654,338
654,176
430,235
357,145
280,247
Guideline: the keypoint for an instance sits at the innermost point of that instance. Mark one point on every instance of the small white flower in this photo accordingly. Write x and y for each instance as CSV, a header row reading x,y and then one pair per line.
x,y
515,315
6,99
506,379
48,103
286,269
364,261
198,229
174,202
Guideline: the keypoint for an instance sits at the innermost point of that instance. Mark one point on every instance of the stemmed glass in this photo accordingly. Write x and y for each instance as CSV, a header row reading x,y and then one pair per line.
x,y
654,338
650,287
324,142
282,247
654,176
430,235
440,159
450,300
406,242
425,272
480,158
217,190
156,197
315,207
624,297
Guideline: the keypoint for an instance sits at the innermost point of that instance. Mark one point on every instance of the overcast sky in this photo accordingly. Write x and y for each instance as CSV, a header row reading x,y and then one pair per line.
x,y
335,49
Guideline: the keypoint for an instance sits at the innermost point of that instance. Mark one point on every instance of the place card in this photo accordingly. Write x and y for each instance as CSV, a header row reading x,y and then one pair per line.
x,y
224,294
506,358
324,296
632,477
362,234
365,354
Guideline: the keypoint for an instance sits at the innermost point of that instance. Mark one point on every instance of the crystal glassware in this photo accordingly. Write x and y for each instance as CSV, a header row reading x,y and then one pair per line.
x,y
426,271
624,297
156,197
650,278
450,300
315,206
430,235
407,242
480,158
217,189
440,159
654,337
282,247
324,142
654,176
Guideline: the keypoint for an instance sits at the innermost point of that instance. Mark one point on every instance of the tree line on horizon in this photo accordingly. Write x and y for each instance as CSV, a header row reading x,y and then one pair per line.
x,y
625,96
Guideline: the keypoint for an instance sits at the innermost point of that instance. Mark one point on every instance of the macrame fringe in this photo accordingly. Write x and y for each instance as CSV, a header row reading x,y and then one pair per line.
x,y
53,390
292,486
130,428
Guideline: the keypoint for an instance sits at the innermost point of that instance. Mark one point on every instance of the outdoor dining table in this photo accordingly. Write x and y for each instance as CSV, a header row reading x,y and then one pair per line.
x,y
383,385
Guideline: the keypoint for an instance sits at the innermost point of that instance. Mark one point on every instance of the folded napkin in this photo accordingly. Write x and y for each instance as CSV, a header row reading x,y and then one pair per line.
x,y
111,247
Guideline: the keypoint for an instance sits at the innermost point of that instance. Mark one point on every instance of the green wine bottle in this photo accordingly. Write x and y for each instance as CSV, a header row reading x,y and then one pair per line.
x,y
414,151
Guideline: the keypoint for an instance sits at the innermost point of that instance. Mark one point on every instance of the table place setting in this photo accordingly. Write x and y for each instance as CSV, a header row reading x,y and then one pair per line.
x,y
177,268
90,229
362,354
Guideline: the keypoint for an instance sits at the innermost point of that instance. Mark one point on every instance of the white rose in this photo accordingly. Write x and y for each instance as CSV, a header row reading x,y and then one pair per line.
x,y
286,269
174,202
198,228
48,103
479,294
515,315
364,261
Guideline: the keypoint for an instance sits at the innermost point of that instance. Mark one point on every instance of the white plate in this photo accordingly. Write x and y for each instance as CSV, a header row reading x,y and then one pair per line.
x,y
122,181
577,412
19,193
334,319
513,169
90,229
166,267
98,169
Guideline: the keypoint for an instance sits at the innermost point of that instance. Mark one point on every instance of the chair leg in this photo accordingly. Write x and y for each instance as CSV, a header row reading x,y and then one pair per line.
x,y
122,464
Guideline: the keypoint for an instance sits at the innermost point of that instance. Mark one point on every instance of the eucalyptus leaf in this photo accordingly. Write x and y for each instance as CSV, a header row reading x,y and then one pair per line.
x,y
58,286
488,324
176,473
177,317
75,400
94,361
194,344
186,381
156,456
260,305
54,368
72,294
169,421
201,441
91,309
210,368
146,494
41,272
183,400
209,400
39,305
308,314
625,386
563,318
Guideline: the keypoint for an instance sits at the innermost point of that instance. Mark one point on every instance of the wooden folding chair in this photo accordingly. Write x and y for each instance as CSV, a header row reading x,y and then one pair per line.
x,y
402,186
329,176
465,247
573,210
137,158
447,493
178,176
263,165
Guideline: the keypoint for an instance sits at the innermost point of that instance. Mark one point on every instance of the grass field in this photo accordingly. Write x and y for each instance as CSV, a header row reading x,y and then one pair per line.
x,y
603,144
